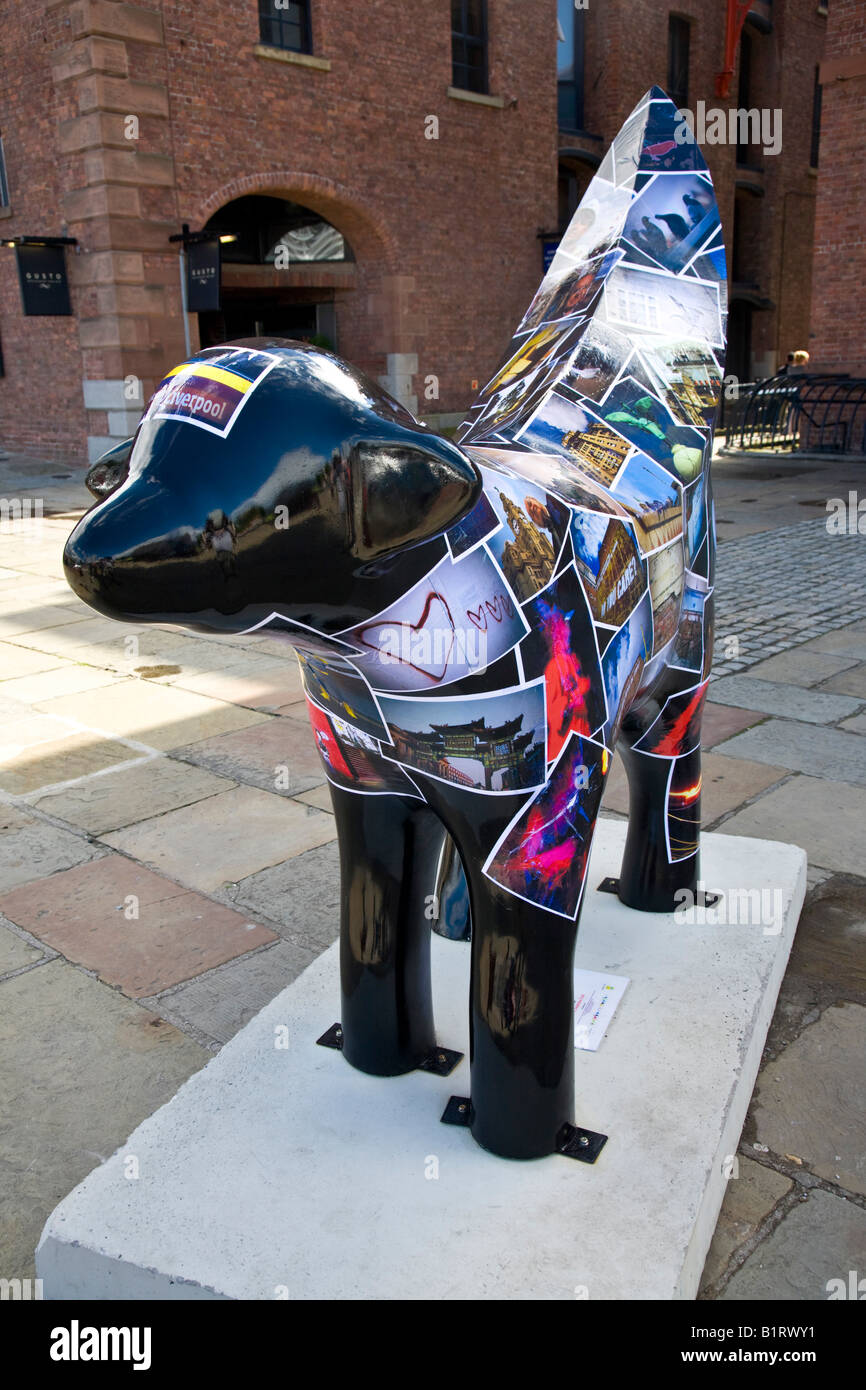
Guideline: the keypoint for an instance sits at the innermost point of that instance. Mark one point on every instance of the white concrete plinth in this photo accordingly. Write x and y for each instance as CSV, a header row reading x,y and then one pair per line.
x,y
282,1172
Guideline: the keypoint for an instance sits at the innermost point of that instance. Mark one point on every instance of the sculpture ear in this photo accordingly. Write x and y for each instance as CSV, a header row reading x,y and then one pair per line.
x,y
405,492
110,470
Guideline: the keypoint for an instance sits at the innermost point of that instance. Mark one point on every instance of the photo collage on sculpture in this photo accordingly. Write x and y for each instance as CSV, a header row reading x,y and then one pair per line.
x,y
584,570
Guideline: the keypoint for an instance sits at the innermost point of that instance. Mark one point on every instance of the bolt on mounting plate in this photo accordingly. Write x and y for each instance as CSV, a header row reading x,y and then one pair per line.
x,y
583,1144
458,1111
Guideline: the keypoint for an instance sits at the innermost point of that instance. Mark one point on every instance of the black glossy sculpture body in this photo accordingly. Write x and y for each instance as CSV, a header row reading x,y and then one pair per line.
x,y
479,624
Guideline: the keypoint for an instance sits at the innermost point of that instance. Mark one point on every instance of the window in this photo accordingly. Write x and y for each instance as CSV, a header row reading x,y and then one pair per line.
x,y
469,44
4,186
569,65
268,231
678,61
574,178
285,24
744,94
816,120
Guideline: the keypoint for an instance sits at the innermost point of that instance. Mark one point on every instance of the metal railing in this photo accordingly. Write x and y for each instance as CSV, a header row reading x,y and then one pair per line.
x,y
802,412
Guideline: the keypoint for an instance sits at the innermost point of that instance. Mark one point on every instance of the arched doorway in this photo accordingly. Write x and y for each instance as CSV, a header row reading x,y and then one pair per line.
x,y
284,270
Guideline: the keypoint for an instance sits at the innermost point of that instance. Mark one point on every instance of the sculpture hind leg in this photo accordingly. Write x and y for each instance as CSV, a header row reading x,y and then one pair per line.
x,y
660,747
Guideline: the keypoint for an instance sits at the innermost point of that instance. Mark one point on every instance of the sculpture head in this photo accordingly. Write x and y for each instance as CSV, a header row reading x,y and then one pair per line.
x,y
266,476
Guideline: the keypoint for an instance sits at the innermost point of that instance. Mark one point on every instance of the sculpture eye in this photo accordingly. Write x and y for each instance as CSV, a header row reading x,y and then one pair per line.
x,y
109,471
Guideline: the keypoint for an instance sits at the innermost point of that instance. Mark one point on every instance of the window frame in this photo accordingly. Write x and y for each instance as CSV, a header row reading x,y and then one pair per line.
x,y
483,43
817,103
268,13
5,200
679,24
575,83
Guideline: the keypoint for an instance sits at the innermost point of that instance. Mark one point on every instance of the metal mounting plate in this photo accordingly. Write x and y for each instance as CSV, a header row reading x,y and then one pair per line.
x,y
583,1144
458,1111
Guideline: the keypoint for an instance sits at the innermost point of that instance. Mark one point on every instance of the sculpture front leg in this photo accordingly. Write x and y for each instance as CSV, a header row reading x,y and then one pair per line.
x,y
526,867
389,850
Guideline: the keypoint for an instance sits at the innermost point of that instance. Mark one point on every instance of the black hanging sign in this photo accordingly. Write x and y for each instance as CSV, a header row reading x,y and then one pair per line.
x,y
43,280
203,275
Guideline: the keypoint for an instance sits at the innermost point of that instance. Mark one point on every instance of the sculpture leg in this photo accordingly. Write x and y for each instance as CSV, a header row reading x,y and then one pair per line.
x,y
522,1025
662,855
522,973
452,895
389,850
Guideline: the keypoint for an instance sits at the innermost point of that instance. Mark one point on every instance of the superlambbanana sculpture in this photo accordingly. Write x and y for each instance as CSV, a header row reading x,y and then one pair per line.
x,y
478,623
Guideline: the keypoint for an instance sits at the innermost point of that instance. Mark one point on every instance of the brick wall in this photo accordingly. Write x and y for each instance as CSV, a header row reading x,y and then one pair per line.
x,y
444,230
838,339
41,405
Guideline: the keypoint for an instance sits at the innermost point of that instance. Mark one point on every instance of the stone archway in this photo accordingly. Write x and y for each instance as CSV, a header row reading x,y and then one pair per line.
x,y
370,301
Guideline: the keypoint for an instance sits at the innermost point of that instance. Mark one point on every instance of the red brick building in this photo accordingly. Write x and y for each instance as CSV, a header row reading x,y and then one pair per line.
x,y
838,339
767,200
405,158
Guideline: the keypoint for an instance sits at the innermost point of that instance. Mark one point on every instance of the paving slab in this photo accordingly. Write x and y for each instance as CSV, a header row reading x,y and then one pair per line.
x,y
281,1165
225,838
786,701
297,711
35,618
319,796
23,661
830,948
301,896
161,717
68,679
277,751
101,639
826,818
82,1066
31,849
198,654
27,588
723,721
29,731
268,688
827,965
38,561
829,753
116,799
62,760
850,682
846,641
16,953
811,1100
857,725
801,666
727,782
11,711
175,936
752,1192
820,1240
220,1003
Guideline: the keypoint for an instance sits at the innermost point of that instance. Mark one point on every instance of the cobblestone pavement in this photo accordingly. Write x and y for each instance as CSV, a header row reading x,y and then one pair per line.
x,y
775,591
159,885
